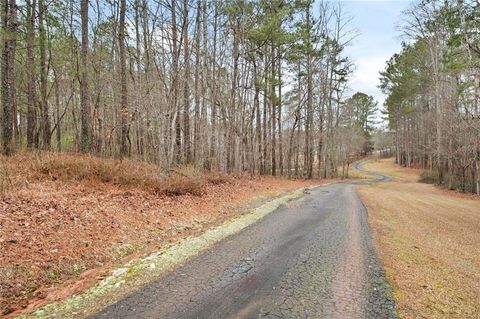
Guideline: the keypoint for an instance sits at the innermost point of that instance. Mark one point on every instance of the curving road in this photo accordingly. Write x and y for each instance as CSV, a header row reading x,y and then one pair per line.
x,y
376,176
312,258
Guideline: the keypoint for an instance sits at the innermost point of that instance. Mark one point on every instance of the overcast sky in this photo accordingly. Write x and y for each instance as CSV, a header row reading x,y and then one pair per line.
x,y
376,21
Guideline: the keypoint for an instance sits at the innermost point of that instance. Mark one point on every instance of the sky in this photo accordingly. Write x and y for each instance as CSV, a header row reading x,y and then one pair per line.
x,y
376,22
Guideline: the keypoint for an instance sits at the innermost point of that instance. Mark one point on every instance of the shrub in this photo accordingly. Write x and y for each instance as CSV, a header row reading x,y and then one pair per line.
x,y
27,167
428,177
183,180
218,178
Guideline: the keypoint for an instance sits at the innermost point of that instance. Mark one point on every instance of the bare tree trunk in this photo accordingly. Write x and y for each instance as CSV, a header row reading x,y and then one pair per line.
x,y
196,120
264,119
123,80
32,91
320,142
46,127
203,149
58,127
176,138
213,137
291,144
258,124
274,113
86,135
9,26
309,111
186,89
439,116
231,113
279,117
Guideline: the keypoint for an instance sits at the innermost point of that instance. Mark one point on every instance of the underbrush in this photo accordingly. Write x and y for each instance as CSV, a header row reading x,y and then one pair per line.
x,y
450,182
428,177
25,168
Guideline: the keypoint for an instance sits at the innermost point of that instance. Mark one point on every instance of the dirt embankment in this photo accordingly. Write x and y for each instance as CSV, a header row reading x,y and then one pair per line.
x,y
429,241
67,220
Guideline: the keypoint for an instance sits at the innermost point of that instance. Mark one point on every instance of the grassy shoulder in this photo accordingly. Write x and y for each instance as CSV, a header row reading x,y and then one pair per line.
x,y
428,239
68,220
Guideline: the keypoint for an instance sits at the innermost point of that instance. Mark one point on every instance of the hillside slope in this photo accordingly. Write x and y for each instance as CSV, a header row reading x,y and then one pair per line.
x,y
67,220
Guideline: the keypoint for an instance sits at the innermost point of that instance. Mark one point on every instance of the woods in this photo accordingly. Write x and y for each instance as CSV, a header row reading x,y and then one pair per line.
x,y
232,86
237,86
150,149
433,93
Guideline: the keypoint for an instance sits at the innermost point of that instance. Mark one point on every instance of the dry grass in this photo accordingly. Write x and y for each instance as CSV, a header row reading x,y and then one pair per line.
x,y
92,170
386,166
429,240
354,174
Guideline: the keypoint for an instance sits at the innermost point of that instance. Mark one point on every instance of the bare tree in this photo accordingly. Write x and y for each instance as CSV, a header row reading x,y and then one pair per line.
x,y
86,135
32,90
123,81
9,28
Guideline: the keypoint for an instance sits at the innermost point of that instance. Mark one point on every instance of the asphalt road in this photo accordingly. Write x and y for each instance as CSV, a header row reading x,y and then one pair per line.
x,y
311,258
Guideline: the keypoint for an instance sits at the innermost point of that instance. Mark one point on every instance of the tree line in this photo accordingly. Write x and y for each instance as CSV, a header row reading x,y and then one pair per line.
x,y
257,86
433,89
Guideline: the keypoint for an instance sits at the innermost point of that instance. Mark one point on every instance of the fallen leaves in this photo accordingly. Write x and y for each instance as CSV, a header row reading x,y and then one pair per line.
x,y
57,236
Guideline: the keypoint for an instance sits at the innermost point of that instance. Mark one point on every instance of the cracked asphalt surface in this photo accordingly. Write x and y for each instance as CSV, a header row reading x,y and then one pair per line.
x,y
312,258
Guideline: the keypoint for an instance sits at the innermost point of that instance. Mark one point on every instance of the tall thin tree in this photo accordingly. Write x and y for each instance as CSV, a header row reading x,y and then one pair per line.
x,y
9,28
86,135
32,90
45,128
123,81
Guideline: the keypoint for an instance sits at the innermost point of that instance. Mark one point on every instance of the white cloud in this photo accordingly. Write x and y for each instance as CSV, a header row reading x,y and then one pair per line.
x,y
366,76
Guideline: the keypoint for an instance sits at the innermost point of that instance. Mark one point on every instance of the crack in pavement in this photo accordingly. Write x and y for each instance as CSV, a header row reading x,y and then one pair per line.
x,y
311,258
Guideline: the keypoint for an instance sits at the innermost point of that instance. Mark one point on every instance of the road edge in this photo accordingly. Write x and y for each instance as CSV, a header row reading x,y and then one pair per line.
x,y
383,282
139,272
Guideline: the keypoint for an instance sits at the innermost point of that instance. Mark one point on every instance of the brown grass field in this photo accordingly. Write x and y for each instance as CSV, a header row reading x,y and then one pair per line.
x,y
429,241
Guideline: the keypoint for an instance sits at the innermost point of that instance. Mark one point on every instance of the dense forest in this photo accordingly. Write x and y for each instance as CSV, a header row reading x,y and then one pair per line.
x,y
434,90
257,86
